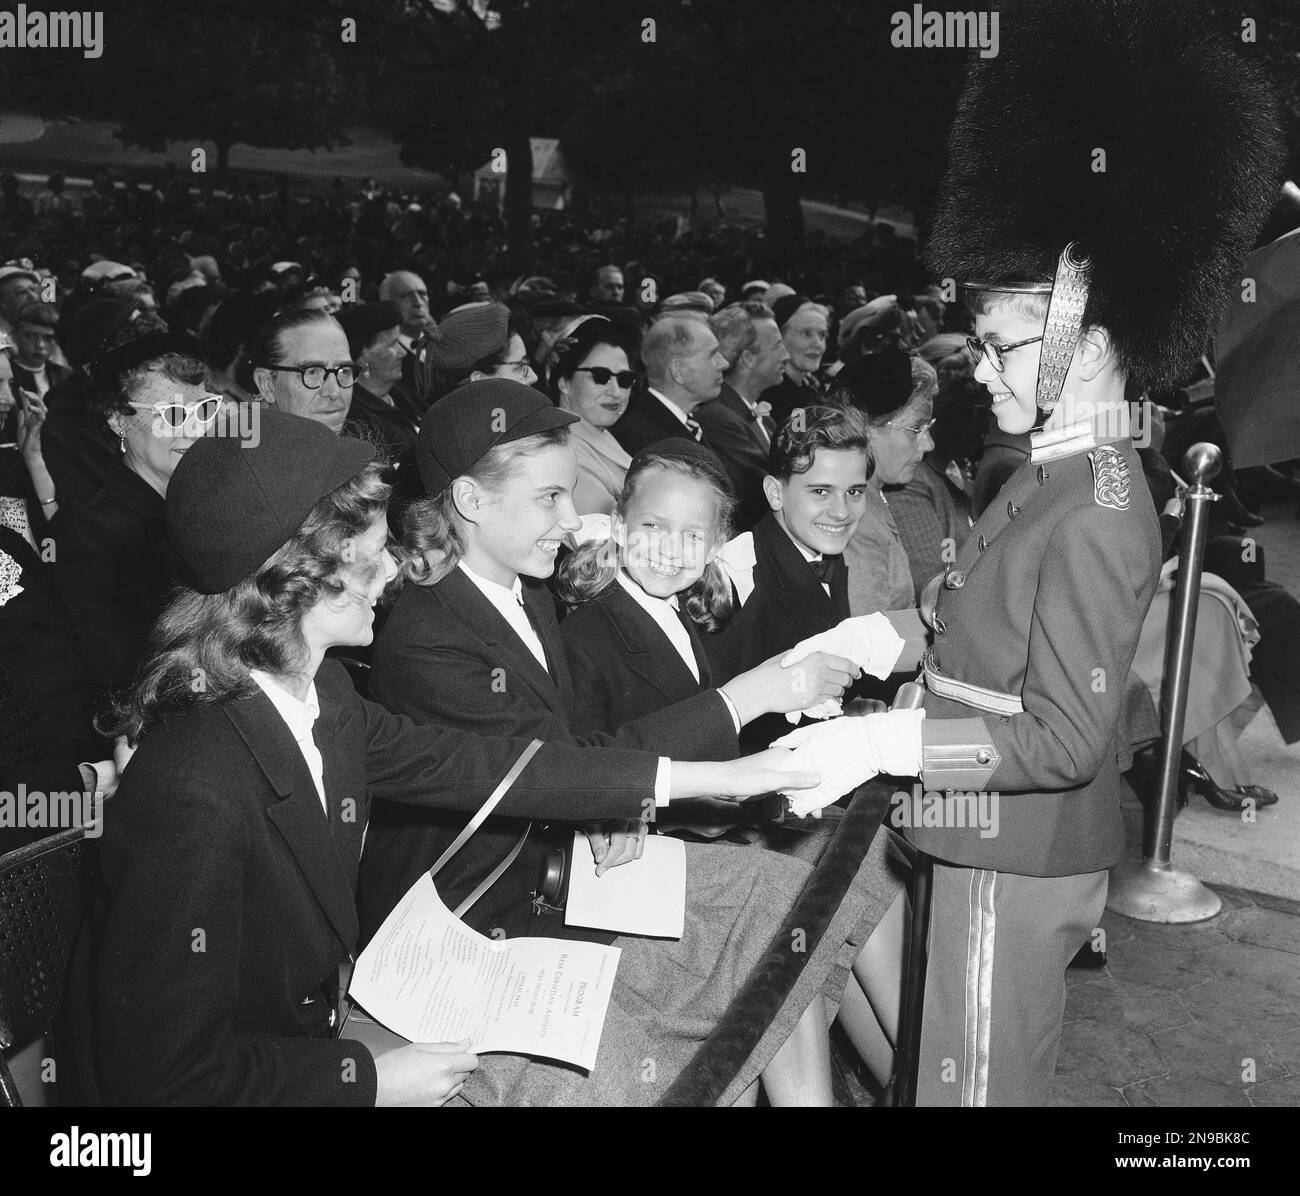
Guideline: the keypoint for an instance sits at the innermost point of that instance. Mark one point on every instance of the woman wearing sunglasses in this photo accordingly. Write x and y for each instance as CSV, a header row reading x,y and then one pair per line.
x,y
592,379
112,564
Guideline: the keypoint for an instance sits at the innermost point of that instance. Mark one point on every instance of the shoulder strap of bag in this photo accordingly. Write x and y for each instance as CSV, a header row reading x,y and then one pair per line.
x,y
479,818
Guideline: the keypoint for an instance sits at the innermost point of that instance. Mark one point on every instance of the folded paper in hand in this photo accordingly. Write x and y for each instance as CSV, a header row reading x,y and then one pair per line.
x,y
430,978
645,896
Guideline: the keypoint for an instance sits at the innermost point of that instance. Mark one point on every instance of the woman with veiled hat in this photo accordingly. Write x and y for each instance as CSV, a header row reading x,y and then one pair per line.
x,y
112,564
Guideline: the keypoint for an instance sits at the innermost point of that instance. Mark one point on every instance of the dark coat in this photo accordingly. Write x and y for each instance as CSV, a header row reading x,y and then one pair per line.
x,y
788,605
730,431
45,708
227,897
79,448
370,418
623,666
447,656
114,570
787,394
45,703
54,374
646,421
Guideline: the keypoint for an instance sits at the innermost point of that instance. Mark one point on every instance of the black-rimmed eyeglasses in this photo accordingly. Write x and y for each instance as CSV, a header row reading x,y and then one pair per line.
x,y
313,376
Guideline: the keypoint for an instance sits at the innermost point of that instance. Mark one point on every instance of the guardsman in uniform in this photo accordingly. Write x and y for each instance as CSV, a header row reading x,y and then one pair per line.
x,y
1079,279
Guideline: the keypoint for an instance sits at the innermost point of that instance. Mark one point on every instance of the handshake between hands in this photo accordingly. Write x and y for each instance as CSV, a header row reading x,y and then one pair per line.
x,y
868,641
845,752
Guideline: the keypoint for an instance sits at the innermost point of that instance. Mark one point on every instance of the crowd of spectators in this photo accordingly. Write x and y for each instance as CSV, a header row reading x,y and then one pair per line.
x,y
132,307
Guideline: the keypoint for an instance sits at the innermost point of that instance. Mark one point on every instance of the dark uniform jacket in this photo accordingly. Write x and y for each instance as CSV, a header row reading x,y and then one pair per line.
x,y
731,430
447,656
228,896
1034,633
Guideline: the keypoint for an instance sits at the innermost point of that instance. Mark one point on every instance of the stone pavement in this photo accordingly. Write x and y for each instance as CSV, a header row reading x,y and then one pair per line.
x,y
1198,1015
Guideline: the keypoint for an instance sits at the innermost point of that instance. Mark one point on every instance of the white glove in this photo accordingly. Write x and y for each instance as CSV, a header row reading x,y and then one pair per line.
x,y
844,752
827,708
870,641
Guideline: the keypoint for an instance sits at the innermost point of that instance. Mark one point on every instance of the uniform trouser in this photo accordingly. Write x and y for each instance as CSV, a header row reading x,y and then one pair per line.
x,y
995,985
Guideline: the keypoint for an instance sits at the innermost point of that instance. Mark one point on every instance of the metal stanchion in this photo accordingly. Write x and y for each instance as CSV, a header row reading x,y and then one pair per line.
x,y
1153,891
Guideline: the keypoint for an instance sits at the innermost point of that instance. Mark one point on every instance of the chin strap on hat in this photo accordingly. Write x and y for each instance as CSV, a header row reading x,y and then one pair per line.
x,y
1064,323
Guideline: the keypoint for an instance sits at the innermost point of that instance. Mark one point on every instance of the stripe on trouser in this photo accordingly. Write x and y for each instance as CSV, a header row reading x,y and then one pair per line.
x,y
981,928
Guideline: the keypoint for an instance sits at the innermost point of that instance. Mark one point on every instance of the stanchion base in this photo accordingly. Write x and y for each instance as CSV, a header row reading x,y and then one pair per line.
x,y
1151,893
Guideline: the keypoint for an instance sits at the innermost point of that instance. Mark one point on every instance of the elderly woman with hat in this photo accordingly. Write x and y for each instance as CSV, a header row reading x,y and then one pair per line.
x,y
896,394
230,856
114,566
803,326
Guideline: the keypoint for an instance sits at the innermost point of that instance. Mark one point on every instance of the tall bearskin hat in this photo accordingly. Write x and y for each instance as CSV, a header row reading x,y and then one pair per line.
x,y
1132,132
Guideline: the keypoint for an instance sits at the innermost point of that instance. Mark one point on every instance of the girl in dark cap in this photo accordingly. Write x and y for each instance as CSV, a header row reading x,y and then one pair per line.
x,y
474,644
230,854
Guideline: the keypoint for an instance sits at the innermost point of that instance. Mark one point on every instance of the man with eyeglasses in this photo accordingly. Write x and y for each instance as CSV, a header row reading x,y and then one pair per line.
x,y
302,364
